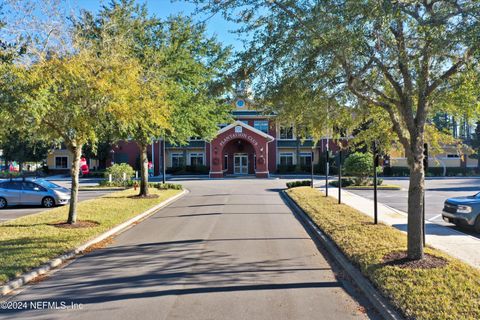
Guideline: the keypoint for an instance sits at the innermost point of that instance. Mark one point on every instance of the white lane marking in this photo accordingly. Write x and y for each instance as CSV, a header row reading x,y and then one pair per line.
x,y
434,218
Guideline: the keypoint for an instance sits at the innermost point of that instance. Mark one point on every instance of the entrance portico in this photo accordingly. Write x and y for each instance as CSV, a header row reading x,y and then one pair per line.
x,y
239,149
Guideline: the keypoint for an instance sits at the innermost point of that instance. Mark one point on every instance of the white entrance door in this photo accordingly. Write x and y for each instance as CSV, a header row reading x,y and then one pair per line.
x,y
240,163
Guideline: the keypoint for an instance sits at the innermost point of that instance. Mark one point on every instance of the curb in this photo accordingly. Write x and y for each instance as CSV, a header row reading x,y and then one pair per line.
x,y
55,262
379,302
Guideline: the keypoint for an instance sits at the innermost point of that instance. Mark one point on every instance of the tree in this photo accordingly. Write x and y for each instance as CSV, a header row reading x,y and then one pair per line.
x,y
69,95
180,67
396,55
21,146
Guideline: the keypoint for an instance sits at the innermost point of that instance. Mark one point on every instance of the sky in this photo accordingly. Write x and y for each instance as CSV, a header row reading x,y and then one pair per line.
x,y
164,8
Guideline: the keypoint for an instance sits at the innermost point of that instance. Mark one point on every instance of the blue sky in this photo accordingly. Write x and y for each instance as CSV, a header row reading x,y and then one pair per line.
x,y
164,8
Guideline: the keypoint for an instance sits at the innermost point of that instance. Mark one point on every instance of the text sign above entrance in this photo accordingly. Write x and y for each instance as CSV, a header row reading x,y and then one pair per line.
x,y
245,136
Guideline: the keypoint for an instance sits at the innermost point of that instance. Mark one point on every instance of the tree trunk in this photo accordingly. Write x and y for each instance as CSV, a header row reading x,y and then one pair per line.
x,y
143,170
415,204
72,210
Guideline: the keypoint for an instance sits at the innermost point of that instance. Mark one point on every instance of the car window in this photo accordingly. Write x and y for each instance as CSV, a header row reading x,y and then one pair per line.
x,y
47,184
31,186
12,185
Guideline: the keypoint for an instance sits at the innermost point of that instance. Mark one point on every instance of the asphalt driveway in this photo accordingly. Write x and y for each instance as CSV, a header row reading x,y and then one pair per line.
x,y
437,191
231,249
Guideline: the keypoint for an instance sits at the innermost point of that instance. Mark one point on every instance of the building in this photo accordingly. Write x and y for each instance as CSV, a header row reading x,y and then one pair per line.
x,y
253,144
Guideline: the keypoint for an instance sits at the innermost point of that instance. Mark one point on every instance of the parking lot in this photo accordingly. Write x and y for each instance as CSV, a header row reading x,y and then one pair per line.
x,y
437,191
19,211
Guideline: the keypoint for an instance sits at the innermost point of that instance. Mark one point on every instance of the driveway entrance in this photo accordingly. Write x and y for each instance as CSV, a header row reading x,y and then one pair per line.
x,y
230,249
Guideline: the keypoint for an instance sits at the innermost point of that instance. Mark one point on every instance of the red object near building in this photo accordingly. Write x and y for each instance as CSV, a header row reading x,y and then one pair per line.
x,y
84,166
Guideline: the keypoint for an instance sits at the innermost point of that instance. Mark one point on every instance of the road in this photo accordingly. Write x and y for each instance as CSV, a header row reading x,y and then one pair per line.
x,y
230,249
437,191
20,211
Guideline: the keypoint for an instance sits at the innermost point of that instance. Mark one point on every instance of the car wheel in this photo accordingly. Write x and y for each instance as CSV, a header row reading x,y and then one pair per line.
x,y
3,203
477,225
48,202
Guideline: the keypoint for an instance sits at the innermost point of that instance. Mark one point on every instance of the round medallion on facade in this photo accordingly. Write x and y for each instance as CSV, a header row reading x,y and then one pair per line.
x,y
240,103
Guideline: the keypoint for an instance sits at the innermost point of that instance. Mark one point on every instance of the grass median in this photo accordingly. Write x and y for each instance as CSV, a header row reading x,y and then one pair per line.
x,y
30,241
448,292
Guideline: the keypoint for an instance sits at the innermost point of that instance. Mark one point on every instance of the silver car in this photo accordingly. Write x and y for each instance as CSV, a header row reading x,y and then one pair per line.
x,y
32,192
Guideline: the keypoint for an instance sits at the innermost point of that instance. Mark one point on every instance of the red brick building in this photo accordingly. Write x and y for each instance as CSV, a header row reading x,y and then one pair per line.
x,y
253,144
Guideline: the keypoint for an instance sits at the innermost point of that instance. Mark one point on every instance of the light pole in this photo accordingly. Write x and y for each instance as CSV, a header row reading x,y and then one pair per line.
x,y
327,168
163,160
340,176
425,167
311,168
375,165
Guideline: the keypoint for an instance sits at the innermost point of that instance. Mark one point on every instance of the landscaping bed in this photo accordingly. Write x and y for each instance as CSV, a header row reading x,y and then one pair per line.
x,y
435,290
30,241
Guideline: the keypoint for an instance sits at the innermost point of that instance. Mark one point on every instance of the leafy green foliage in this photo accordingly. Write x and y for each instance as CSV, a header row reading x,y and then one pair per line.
x,y
118,170
294,184
359,165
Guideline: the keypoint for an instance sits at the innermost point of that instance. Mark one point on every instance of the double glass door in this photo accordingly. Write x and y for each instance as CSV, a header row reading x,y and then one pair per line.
x,y
240,163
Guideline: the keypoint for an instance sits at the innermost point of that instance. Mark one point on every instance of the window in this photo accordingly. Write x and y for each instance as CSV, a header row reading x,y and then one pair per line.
x,y
286,158
225,162
196,159
286,133
12,185
306,159
61,162
261,125
451,155
195,139
177,160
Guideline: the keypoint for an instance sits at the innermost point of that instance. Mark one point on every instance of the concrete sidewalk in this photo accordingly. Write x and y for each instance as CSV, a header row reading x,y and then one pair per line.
x,y
453,242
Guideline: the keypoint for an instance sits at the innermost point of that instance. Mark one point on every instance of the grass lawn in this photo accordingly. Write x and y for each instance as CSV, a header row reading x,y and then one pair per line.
x,y
30,241
449,292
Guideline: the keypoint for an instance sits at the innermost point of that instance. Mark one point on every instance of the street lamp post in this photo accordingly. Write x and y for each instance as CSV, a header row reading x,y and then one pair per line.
x,y
163,160
425,167
311,169
340,176
327,169
375,165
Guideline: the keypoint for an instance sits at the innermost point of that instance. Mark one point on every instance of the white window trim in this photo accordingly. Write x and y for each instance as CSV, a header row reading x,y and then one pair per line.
x,y
294,137
68,161
197,154
180,154
292,154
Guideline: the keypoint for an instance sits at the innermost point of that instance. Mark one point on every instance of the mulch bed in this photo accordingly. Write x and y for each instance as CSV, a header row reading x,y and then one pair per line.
x,y
77,225
401,260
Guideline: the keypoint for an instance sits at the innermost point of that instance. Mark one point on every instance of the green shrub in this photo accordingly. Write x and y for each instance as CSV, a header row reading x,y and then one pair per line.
x,y
294,184
8,174
166,186
116,183
117,171
359,165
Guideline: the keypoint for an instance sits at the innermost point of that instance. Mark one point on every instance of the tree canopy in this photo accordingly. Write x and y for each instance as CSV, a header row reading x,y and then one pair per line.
x,y
398,56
